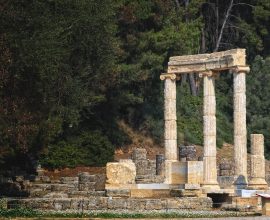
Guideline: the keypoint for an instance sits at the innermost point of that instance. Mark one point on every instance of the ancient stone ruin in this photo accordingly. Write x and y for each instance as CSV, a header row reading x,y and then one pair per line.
x,y
178,179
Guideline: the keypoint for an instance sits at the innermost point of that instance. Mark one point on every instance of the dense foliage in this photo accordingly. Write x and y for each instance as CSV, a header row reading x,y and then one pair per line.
x,y
70,70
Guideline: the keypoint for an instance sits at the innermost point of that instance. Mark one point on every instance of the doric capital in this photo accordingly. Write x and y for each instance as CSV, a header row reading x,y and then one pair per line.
x,y
240,69
164,76
208,73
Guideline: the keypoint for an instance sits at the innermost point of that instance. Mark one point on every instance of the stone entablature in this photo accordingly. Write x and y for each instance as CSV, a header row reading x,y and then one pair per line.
x,y
203,62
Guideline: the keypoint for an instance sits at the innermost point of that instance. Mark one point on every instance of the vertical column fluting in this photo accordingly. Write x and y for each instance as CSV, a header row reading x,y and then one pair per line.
x,y
209,131
240,131
170,125
257,163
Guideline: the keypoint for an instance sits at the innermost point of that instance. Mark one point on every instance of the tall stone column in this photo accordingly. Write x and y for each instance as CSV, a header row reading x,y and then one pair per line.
x,y
240,130
209,131
170,126
257,161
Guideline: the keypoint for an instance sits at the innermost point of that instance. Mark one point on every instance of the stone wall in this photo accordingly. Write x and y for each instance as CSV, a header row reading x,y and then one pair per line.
x,y
110,203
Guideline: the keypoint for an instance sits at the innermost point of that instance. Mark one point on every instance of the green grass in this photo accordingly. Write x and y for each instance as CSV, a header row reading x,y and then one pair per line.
x,y
31,213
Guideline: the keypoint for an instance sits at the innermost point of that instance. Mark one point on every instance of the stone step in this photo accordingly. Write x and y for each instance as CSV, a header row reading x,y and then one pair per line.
x,y
108,204
150,193
86,194
186,192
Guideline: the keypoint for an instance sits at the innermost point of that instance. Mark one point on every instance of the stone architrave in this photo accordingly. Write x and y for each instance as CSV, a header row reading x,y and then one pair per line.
x,y
170,126
257,180
209,131
240,131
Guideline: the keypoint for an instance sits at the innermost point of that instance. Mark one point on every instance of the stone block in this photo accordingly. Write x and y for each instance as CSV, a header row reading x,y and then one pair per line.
x,y
100,182
170,109
209,105
169,89
194,172
239,83
170,130
62,204
257,144
139,154
69,180
118,192
209,125
136,204
209,145
85,177
185,192
239,101
171,151
154,204
150,193
117,203
90,186
266,206
175,172
60,187
121,173
226,182
239,123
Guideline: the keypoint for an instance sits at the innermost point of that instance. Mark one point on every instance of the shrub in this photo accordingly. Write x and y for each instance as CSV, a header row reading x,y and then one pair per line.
x,y
89,149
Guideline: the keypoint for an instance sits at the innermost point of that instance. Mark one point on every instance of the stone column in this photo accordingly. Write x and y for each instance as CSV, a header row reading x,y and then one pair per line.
x,y
240,131
257,160
209,131
170,126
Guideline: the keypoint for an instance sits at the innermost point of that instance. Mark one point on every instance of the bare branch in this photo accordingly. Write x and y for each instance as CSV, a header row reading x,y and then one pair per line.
x,y
223,25
252,6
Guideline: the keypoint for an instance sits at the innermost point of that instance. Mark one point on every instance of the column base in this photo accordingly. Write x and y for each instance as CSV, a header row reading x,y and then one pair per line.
x,y
257,183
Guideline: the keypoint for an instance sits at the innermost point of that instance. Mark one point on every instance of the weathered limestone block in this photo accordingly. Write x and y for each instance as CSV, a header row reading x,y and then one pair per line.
x,y
239,83
85,177
170,130
117,203
149,193
239,102
169,89
208,86
184,172
170,109
210,172
136,204
186,192
90,186
239,121
203,62
209,145
121,173
209,105
257,180
69,180
171,152
118,192
154,204
257,144
209,125
139,154
240,155
187,153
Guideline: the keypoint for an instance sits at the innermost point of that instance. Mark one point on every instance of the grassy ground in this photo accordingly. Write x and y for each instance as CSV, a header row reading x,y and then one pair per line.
x,y
30,213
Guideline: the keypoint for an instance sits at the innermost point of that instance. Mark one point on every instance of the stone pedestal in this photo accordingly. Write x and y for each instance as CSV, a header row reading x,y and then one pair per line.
x,y
240,131
209,132
257,180
170,126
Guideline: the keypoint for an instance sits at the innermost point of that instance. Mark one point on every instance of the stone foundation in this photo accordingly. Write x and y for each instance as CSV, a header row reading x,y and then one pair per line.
x,y
110,203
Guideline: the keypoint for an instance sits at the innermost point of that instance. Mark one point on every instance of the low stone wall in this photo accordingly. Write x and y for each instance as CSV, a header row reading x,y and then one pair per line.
x,y
108,203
